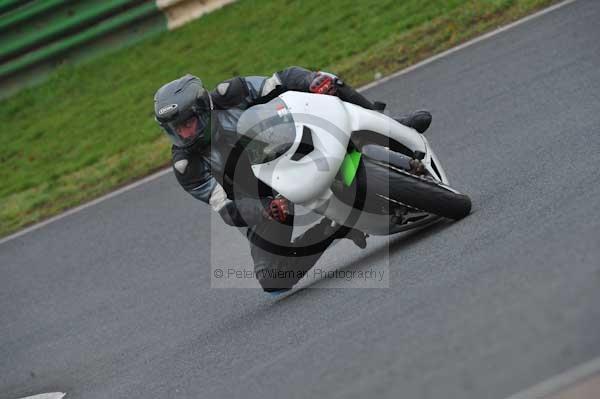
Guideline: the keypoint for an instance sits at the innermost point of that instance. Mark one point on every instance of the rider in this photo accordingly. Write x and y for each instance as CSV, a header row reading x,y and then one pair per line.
x,y
202,128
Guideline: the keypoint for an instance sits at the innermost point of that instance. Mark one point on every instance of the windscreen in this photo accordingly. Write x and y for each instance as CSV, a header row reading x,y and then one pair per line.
x,y
267,131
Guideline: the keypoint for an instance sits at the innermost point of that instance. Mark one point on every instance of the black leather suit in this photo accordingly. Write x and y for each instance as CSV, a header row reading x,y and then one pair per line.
x,y
207,173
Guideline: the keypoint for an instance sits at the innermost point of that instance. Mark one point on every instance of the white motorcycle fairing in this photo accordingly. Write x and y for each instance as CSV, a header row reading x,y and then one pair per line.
x,y
307,181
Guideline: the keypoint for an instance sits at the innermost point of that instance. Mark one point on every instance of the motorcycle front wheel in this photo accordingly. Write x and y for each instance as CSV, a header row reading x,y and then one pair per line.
x,y
385,187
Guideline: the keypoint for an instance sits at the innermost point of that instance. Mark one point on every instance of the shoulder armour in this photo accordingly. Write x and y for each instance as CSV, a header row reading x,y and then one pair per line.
x,y
230,93
270,84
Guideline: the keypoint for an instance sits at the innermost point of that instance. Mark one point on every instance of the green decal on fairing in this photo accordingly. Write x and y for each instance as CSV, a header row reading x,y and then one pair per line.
x,y
350,166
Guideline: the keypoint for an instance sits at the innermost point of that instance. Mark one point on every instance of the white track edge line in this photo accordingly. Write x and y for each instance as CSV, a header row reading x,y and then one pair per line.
x,y
50,395
362,88
560,381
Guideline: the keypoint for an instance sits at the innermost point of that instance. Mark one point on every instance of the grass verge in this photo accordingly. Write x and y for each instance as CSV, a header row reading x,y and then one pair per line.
x,y
90,128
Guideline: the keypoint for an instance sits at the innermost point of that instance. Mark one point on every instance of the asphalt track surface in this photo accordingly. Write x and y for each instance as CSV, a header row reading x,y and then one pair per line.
x,y
115,301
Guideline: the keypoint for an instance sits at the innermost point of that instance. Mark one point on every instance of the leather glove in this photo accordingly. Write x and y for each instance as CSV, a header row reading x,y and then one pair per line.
x,y
323,83
277,209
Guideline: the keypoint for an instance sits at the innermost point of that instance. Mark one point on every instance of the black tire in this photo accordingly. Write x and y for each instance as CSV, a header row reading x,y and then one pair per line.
x,y
416,192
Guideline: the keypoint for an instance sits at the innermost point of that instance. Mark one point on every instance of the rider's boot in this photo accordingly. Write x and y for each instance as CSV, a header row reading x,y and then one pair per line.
x,y
356,236
325,232
418,120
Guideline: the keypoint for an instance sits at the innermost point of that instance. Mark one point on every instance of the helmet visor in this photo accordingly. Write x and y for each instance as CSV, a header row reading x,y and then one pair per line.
x,y
187,131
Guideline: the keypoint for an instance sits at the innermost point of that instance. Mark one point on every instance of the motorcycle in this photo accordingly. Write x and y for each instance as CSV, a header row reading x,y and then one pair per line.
x,y
348,163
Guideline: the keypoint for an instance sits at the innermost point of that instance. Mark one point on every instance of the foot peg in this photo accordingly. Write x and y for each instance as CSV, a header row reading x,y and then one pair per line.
x,y
417,167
